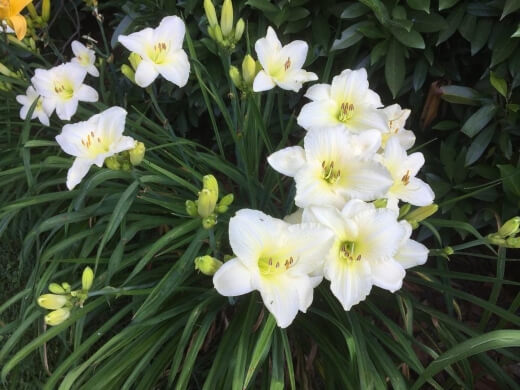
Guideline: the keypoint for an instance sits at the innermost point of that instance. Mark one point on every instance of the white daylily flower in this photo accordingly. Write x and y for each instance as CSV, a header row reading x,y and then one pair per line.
x,y
403,168
93,140
84,57
410,252
27,101
396,118
62,88
161,52
275,258
347,102
363,253
334,167
282,66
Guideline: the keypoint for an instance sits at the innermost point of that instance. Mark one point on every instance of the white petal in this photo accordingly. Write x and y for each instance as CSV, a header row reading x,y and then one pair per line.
x,y
43,118
73,72
318,92
333,219
172,30
295,217
138,41
146,73
297,52
92,70
176,69
293,79
87,94
78,48
366,118
311,190
387,274
111,122
356,206
414,163
267,48
365,144
124,143
406,138
411,253
232,279
350,282
263,82
373,99
24,110
70,138
22,99
366,180
287,161
350,86
326,145
77,172
318,115
65,109
417,193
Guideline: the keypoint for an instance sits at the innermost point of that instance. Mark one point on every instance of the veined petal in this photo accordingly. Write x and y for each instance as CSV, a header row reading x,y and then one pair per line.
x,y
354,207
416,192
77,172
66,108
267,48
373,99
263,82
310,190
78,48
366,180
368,117
43,117
172,30
232,279
318,92
366,144
287,161
87,94
137,42
176,69
411,254
318,115
296,51
332,218
350,86
146,73
349,282
92,70
70,138
387,274
414,163
294,78
111,122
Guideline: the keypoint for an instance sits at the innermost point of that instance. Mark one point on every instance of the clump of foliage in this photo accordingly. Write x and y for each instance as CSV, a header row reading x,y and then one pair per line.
x,y
151,320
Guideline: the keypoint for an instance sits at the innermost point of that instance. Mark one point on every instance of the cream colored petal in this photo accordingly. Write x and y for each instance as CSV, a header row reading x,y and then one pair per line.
x,y
232,279
287,161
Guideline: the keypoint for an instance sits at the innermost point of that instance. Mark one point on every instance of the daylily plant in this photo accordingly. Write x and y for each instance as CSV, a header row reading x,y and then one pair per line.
x,y
92,141
62,88
27,101
404,168
282,66
333,167
276,258
347,102
161,52
85,57
366,250
10,12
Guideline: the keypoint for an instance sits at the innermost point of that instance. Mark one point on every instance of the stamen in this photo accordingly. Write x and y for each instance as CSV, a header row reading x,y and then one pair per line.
x,y
287,64
346,112
406,178
330,175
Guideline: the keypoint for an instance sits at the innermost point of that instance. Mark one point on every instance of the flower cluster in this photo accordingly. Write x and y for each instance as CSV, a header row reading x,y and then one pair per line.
x,y
350,175
62,299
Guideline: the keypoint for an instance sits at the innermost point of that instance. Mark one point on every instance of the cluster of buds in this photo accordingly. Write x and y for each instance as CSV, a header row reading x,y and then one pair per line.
x,y
225,34
207,265
4,70
36,20
63,299
129,71
507,236
207,206
417,215
244,81
124,161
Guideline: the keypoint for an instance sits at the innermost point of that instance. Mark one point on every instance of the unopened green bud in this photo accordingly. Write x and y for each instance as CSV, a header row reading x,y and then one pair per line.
x,y
52,301
510,227
448,250
221,209
404,210
209,222
513,242
210,183
239,29
380,203
227,200
66,287
209,9
226,18
126,166
56,317
422,213
56,288
134,59
128,72
137,153
87,279
113,163
249,69
234,74
495,239
207,265
191,208
206,203
46,10
218,34
413,224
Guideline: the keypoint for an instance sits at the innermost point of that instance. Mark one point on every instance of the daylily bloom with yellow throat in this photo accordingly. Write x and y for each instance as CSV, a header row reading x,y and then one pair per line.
x,y
10,12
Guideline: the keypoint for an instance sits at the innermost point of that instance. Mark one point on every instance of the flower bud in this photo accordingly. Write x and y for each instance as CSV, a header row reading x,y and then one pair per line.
x,y
87,278
134,59
405,209
206,203
221,209
513,242
137,153
239,29
495,239
211,33
226,18
209,9
249,69
218,34
191,208
56,288
128,72
210,183
52,301
46,10
209,222
66,287
126,166
422,213
234,74
112,163
510,227
207,265
380,203
227,200
56,317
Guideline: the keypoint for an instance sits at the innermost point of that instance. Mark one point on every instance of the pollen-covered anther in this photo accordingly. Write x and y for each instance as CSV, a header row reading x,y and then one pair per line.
x,y
346,111
329,174
287,64
406,178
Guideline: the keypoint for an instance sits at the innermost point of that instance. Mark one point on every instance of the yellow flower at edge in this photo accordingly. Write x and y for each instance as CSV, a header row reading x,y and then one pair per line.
x,y
10,12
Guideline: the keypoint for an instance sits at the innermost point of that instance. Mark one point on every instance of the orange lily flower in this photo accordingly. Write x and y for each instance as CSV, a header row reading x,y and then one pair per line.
x,y
10,12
